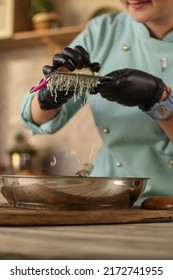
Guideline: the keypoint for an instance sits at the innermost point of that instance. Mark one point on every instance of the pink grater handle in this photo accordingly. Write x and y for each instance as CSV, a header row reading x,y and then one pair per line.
x,y
39,86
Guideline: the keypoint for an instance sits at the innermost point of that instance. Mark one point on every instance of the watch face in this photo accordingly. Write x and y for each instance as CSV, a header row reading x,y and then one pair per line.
x,y
161,112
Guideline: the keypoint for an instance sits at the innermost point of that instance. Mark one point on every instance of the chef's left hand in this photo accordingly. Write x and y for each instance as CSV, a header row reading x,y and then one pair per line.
x,y
132,87
71,59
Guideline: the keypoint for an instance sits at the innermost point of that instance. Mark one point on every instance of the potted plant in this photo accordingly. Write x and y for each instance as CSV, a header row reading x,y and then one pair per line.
x,y
42,14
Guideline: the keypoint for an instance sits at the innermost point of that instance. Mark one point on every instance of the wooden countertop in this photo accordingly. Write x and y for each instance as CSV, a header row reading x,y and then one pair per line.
x,y
127,241
101,241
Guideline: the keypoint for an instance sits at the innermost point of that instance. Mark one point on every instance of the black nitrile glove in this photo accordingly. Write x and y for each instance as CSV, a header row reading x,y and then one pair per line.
x,y
47,100
132,87
71,59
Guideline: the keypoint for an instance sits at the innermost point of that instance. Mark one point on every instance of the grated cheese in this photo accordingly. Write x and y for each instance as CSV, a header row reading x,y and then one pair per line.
x,y
78,84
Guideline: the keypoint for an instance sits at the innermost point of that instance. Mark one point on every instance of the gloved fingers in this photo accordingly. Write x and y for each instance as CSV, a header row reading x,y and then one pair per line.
x,y
63,60
48,101
95,66
72,58
47,69
105,86
82,53
85,55
115,74
75,56
63,94
106,90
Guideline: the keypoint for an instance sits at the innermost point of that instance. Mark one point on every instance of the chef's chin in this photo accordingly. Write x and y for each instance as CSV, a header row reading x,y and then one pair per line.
x,y
141,16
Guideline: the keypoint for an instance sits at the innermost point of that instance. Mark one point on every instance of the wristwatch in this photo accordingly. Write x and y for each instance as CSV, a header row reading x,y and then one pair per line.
x,y
162,110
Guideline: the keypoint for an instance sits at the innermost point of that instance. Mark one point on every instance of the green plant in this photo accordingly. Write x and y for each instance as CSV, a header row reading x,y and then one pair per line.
x,y
21,145
38,6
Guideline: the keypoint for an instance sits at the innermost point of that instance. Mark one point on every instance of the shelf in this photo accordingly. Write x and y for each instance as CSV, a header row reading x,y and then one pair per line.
x,y
60,37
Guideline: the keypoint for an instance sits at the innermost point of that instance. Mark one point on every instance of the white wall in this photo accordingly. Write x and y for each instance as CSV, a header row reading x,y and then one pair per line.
x,y
75,11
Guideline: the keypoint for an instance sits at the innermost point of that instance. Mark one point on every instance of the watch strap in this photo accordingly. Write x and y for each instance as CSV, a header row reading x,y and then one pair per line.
x,y
163,109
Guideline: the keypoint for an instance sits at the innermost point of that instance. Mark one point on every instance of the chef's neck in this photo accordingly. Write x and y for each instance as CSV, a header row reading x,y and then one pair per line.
x,y
158,30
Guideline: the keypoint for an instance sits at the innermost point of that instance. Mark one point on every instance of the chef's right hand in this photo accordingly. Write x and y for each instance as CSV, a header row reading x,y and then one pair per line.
x,y
69,59
49,101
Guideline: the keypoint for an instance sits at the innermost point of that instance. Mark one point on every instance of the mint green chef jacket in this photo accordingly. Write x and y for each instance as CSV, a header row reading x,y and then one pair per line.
x,y
134,145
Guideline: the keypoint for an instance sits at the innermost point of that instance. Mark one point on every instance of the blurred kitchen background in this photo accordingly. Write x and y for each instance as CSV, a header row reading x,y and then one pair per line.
x,y
23,52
